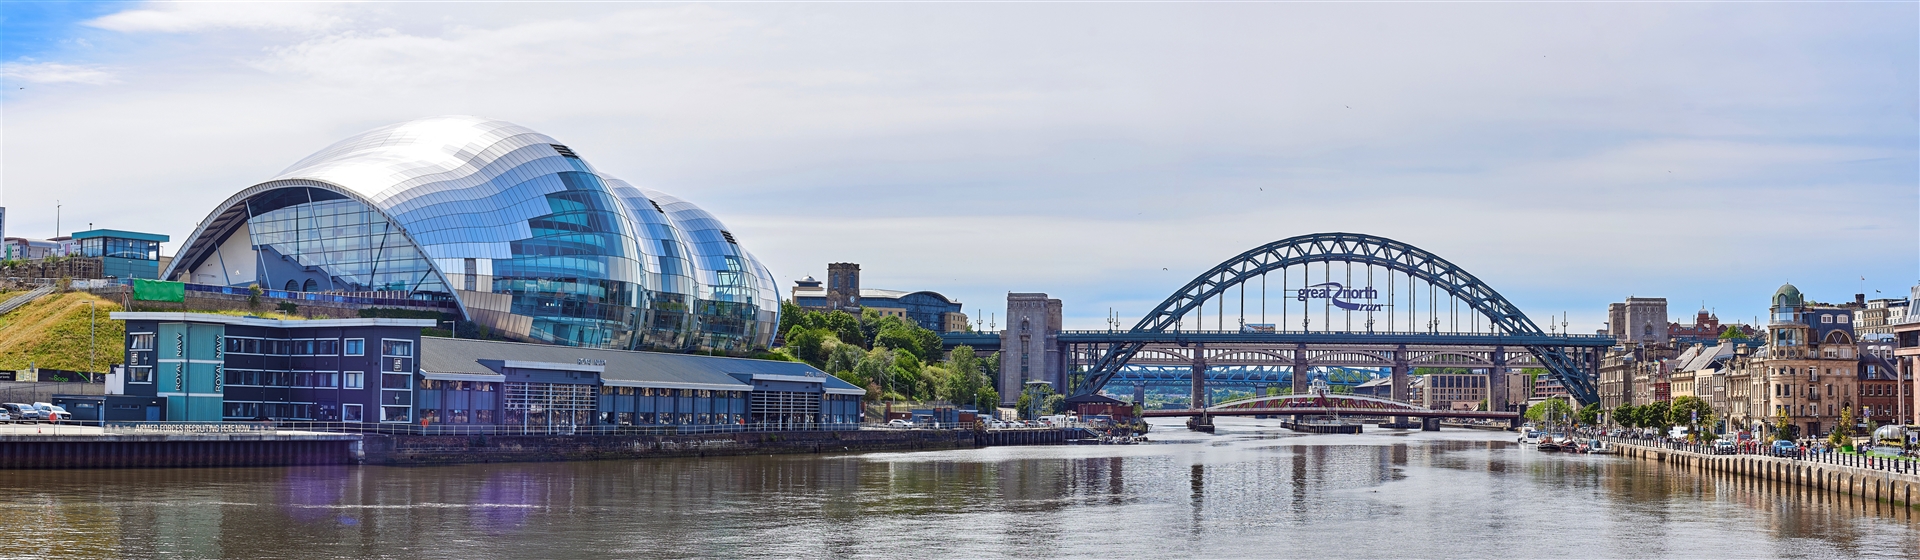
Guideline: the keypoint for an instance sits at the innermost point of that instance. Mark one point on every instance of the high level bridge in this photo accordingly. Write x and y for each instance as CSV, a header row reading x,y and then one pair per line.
x,y
1345,300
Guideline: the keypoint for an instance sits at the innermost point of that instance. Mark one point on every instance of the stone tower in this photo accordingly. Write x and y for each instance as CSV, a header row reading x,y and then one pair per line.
x,y
1029,348
843,287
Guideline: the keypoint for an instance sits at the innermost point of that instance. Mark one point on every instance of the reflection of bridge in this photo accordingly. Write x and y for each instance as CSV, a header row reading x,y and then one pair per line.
x,y
1327,405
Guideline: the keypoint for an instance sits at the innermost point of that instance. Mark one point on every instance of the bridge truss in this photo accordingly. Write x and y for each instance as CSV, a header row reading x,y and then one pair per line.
x,y
1398,307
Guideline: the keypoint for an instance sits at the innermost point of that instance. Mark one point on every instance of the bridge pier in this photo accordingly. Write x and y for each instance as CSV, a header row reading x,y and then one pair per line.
x,y
1200,402
1429,424
1140,394
1300,371
1497,381
1399,392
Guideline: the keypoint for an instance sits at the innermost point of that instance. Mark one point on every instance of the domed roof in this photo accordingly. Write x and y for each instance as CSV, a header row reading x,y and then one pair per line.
x,y
1787,296
487,203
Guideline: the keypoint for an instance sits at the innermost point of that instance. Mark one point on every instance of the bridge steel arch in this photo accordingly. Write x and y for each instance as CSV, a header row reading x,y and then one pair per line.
x,y
1355,248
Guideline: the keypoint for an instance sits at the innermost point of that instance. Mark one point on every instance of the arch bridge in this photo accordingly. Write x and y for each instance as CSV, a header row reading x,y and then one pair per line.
x,y
1345,300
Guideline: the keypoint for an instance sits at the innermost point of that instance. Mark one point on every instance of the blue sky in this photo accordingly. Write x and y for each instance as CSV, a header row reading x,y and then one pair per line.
x,y
1569,154
37,29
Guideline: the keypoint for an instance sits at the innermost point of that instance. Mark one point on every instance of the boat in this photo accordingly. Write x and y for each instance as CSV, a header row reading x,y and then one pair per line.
x,y
1597,447
1550,444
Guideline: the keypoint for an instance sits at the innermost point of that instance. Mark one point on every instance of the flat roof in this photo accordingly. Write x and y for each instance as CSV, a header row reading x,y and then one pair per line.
x,y
618,367
122,234
185,317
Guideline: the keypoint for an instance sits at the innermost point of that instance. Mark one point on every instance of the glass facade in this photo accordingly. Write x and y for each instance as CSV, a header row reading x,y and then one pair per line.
x,y
532,241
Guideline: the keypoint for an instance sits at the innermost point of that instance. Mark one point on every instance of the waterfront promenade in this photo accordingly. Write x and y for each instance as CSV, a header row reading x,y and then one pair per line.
x,y
1895,481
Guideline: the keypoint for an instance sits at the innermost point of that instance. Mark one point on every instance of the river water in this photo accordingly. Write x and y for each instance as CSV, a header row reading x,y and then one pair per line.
x,y
1252,490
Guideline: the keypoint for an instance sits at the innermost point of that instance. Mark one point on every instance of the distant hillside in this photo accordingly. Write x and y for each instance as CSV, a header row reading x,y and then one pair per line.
x,y
52,333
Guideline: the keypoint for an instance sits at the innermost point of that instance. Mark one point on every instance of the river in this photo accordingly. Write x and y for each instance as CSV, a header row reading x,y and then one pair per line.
x,y
1252,490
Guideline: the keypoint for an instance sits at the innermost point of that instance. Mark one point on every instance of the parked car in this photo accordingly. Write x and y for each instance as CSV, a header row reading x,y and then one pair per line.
x,y
899,423
23,412
1784,448
5,417
1724,447
53,412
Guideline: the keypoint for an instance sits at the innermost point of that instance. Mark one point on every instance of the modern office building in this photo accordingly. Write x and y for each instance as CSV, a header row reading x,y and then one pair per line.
x,y
123,254
526,237
213,368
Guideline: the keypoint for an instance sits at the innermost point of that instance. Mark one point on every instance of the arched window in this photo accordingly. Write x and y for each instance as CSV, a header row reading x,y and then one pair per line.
x,y
293,285
310,286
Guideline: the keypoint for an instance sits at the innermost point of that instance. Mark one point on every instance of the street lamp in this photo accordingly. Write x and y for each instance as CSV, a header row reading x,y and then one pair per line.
x,y
450,328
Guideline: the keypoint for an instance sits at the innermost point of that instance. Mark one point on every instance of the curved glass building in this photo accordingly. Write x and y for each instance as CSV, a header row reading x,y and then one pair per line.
x,y
518,230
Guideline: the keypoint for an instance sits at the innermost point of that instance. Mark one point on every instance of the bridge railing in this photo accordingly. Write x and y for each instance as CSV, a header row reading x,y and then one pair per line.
x,y
1902,465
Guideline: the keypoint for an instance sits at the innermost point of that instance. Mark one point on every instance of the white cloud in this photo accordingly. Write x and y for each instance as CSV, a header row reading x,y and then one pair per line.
x,y
191,17
1568,154
56,73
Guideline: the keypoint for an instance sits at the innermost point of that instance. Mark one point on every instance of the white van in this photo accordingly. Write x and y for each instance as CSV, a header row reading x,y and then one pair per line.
x,y
1677,432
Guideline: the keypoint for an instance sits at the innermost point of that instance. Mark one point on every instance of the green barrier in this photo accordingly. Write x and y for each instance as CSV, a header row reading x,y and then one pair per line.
x,y
157,290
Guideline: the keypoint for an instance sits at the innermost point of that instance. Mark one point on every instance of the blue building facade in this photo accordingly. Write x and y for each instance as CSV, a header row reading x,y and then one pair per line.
x,y
122,254
213,368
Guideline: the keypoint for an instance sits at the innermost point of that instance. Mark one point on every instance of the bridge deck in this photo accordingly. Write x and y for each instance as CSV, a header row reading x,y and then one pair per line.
x,y
1323,411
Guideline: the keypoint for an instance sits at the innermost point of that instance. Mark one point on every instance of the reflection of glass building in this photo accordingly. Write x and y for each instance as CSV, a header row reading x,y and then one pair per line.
x,y
525,236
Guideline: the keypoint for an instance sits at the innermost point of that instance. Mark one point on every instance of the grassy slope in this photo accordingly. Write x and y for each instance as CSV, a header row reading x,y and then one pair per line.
x,y
52,333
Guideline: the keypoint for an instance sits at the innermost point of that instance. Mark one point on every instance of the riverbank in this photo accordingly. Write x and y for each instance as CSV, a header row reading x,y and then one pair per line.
x,y
1867,483
82,447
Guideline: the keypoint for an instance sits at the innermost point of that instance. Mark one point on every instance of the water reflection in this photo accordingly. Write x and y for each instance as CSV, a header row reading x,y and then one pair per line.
x,y
1247,491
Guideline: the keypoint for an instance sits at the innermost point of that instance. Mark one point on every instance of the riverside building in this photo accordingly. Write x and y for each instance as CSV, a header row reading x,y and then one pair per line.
x,y
215,368
518,231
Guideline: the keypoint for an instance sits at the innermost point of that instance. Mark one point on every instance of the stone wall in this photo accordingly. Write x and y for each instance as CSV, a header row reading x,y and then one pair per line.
x,y
1871,484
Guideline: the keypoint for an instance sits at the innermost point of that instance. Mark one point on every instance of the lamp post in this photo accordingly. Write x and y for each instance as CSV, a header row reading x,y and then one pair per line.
x,y
451,328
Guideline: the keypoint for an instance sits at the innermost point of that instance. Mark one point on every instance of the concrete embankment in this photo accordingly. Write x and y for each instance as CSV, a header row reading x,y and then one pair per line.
x,y
94,448
437,450
1871,484
109,451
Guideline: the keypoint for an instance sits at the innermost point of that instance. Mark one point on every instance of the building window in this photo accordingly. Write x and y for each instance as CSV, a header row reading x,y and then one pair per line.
x,y
141,341
403,348
356,347
351,413
142,374
1841,319
1826,319
356,380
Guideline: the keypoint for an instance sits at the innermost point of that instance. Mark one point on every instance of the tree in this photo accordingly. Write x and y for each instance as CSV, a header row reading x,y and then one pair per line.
x,y
1627,416
1782,427
845,327
1732,334
1024,406
1842,435
1691,411
875,367
1553,412
810,345
1055,403
1654,415
1589,415
844,358
790,315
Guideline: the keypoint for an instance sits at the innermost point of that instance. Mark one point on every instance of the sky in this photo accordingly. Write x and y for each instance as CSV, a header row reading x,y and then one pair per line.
x,y
1568,154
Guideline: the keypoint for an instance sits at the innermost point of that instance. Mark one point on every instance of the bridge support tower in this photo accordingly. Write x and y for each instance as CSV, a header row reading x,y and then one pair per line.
x,y
1497,381
1399,391
1200,421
